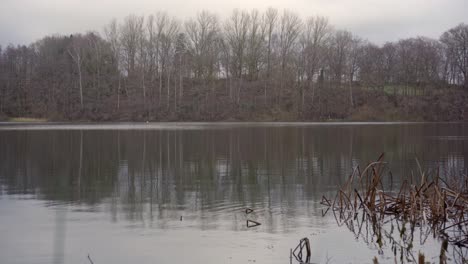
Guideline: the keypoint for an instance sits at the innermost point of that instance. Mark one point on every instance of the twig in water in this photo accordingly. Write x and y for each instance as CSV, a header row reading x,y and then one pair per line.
x,y
90,260
251,223
303,243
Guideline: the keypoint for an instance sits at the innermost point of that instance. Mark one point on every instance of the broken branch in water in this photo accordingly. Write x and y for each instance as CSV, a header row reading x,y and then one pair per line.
x,y
251,223
304,244
90,260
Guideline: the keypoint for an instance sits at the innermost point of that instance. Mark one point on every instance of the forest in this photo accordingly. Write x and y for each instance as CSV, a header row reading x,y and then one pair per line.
x,y
270,65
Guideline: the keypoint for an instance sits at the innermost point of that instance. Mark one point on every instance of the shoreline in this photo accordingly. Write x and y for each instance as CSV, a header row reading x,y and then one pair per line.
x,y
4,126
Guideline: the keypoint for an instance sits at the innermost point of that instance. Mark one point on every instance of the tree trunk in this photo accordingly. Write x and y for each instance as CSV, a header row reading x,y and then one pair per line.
x,y
160,87
144,88
81,86
168,87
303,90
77,59
118,94
351,101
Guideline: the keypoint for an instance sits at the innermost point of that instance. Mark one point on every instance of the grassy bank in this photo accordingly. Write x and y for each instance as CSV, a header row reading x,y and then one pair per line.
x,y
26,120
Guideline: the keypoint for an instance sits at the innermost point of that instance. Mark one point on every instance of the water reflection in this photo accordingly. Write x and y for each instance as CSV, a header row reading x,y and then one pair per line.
x,y
153,173
150,177
59,234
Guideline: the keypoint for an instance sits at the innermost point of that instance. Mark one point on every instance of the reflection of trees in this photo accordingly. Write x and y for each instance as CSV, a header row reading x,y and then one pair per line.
x,y
58,165
148,175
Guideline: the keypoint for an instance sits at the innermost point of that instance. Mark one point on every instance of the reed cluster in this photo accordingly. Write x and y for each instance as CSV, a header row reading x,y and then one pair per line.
x,y
438,203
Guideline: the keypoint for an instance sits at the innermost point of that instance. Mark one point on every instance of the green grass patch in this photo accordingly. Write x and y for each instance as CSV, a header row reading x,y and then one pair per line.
x,y
27,119
400,90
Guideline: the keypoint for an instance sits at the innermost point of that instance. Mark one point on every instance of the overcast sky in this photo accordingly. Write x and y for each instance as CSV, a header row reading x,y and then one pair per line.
x,y
25,21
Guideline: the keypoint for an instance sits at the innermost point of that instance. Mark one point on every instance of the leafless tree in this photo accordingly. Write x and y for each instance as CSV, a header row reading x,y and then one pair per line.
x,y
309,69
142,56
270,20
339,51
289,31
355,50
314,40
202,33
111,32
97,45
372,66
167,41
236,30
255,44
456,43
225,62
389,57
76,53
181,62
130,35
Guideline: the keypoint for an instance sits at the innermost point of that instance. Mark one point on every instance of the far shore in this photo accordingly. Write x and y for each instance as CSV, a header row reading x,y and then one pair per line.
x,y
44,121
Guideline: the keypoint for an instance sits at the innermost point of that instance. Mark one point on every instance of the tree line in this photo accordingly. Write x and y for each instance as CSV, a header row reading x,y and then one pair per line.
x,y
249,64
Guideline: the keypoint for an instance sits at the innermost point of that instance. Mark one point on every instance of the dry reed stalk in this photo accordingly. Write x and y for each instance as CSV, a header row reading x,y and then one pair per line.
x,y
433,201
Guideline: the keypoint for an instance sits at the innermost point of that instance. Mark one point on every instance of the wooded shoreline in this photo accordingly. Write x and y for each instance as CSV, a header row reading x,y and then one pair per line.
x,y
374,106
250,66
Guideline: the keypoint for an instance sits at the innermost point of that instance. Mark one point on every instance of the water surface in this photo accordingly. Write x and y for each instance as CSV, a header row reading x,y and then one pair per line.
x,y
166,193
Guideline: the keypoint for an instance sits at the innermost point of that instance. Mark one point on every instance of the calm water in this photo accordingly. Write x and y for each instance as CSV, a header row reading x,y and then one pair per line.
x,y
176,193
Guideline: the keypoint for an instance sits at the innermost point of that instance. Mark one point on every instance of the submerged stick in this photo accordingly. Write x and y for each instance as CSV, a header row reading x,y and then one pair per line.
x,y
303,244
90,260
251,223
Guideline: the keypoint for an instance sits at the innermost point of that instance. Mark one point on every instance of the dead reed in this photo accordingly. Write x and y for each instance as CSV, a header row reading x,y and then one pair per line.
x,y
430,201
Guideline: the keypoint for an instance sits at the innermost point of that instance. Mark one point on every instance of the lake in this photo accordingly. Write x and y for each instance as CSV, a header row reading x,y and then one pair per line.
x,y
177,192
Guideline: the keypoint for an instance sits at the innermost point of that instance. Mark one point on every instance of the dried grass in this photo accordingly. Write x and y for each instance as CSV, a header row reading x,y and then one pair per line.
x,y
431,203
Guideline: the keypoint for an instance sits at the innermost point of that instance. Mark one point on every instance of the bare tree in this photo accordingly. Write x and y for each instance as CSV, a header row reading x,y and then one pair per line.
x,y
151,48
76,53
270,20
372,66
339,50
130,34
181,63
202,34
292,60
353,65
162,21
168,40
428,61
97,46
225,62
290,29
255,44
2,82
142,57
314,40
236,31
456,43
389,56
111,32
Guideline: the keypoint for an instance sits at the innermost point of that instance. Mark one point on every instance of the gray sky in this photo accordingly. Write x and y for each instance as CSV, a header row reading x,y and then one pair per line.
x,y
25,21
